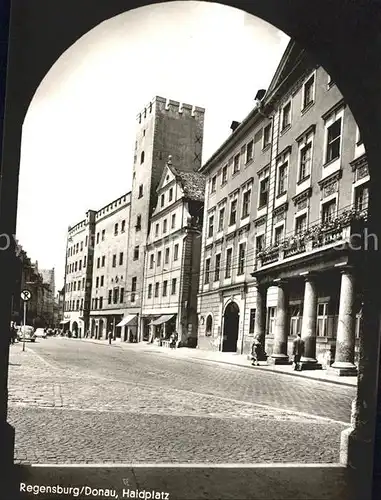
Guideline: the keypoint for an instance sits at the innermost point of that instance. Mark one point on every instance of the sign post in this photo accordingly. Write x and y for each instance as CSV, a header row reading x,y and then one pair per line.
x,y
25,297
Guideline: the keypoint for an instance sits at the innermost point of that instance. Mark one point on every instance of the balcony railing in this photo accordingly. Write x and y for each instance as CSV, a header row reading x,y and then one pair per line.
x,y
316,236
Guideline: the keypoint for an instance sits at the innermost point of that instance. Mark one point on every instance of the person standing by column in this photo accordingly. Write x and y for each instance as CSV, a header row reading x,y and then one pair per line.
x,y
298,351
109,336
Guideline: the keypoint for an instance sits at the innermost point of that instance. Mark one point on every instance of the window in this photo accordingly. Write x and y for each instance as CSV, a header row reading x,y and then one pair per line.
x,y
174,283
121,257
217,267
333,141
295,315
76,266
166,259
141,157
157,230
246,204
224,175
328,211
249,151
252,321
157,289
133,284
207,271
305,162
96,283
100,302
116,229
162,200
266,136
136,253
98,262
361,197
80,265
165,288
86,241
173,224
263,192
322,319
260,243
271,316
149,291
138,223
233,213
236,164
278,235
114,261
151,260
241,258
301,224
165,226
286,116
159,259
121,295
228,264
221,219
102,280
103,261
109,296
308,92
103,234
141,191
81,246
213,184
97,238
123,228
211,226
170,194
176,252
282,178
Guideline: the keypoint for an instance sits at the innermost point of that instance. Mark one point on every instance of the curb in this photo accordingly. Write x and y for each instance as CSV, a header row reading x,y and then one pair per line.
x,y
262,368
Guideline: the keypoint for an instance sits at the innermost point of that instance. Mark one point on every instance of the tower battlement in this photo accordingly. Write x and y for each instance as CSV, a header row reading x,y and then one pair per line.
x,y
162,104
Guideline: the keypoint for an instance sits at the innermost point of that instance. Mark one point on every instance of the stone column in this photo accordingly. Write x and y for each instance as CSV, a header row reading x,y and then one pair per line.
x,y
279,355
309,361
345,339
260,314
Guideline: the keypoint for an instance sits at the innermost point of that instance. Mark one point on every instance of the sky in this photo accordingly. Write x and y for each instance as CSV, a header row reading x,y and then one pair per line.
x,y
78,136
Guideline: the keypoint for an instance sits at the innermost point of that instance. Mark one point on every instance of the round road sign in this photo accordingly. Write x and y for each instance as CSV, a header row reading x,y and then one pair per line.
x,y
26,295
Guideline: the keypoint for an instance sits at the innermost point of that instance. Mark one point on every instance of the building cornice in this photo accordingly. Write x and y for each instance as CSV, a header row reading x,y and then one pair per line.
x,y
333,109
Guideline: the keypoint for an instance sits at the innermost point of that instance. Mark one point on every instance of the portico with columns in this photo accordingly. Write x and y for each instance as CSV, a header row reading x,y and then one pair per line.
x,y
319,297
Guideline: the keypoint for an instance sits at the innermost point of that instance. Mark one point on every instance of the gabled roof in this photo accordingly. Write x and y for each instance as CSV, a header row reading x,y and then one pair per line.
x,y
192,183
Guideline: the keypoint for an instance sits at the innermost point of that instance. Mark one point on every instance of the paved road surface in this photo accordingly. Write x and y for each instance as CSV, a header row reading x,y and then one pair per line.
x,y
74,401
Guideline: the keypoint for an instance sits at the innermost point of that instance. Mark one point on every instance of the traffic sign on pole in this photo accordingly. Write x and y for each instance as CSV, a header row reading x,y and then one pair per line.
x,y
26,295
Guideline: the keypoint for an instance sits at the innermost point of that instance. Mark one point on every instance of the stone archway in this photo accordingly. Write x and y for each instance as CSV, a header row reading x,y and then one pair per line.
x,y
231,328
74,328
314,25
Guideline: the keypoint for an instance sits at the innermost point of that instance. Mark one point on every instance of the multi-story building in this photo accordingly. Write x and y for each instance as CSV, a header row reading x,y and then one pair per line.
x,y
109,288
172,257
295,259
48,276
164,128
78,275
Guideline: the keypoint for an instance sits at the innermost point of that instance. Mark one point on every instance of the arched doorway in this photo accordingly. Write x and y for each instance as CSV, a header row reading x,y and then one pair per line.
x,y
74,328
209,326
231,322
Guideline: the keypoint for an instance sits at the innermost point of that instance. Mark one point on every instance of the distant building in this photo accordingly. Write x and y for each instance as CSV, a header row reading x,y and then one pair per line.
x,y
172,257
48,276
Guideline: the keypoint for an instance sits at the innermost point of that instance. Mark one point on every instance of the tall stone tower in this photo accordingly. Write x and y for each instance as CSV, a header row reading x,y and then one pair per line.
x,y
164,128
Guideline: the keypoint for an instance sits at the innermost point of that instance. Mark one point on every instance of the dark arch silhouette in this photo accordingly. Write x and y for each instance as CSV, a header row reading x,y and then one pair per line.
x,y
343,36
209,326
231,327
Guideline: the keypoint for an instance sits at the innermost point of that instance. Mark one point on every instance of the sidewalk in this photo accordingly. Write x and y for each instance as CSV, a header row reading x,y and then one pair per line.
x,y
231,359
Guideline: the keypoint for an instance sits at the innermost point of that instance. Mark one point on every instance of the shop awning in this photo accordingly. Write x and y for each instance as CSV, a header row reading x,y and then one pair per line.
x,y
64,321
162,319
127,319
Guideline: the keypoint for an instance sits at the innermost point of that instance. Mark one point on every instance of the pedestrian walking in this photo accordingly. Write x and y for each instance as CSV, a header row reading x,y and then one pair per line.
x,y
298,351
174,338
109,336
256,349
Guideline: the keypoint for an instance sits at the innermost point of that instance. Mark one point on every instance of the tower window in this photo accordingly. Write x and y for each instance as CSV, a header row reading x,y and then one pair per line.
x,y
141,191
142,157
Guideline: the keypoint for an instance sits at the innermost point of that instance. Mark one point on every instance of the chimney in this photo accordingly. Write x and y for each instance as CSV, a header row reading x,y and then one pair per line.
x,y
260,95
234,125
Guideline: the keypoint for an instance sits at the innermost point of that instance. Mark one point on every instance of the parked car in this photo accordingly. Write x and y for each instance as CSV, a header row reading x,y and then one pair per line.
x,y
41,333
26,332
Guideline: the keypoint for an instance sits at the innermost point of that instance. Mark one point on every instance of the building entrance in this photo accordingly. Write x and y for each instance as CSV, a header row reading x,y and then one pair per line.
x,y
231,321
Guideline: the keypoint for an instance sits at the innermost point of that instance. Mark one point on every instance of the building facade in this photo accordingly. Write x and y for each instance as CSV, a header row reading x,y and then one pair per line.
x,y
109,287
78,275
164,127
306,173
172,258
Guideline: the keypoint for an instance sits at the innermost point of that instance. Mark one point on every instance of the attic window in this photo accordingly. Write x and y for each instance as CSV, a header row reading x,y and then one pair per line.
x,y
167,178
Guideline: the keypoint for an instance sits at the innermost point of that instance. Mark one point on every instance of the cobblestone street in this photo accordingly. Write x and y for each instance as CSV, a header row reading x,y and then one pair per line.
x,y
73,401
